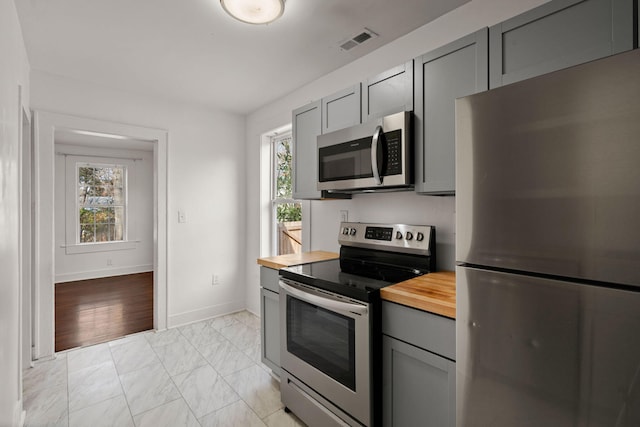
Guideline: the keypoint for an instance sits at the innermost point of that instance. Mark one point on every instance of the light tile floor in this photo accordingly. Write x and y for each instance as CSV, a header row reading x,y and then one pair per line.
x,y
204,374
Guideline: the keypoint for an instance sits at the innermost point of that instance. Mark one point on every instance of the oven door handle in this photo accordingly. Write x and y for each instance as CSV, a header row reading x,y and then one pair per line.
x,y
327,303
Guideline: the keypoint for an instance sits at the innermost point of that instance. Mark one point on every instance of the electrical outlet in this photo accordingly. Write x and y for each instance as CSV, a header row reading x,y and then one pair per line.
x,y
215,280
109,262
344,216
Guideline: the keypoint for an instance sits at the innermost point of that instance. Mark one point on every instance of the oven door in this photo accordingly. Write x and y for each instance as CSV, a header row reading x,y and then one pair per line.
x,y
325,344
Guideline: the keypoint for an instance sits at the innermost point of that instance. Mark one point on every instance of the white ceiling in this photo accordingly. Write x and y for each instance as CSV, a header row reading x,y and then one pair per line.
x,y
190,50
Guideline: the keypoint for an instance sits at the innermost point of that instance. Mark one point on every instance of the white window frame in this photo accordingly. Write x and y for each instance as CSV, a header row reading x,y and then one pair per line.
x,y
275,201
72,216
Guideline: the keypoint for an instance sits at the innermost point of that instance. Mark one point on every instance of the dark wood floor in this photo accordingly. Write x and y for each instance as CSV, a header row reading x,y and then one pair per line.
x,y
99,310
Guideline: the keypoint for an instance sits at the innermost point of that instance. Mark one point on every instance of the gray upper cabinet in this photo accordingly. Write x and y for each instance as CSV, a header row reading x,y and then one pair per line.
x,y
557,35
388,92
341,110
333,112
452,71
307,125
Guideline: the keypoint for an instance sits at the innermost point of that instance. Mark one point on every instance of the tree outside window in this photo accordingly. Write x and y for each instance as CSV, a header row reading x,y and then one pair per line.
x,y
101,197
288,212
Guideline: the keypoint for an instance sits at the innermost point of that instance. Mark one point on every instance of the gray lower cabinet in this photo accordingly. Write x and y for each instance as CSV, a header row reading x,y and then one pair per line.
x,y
419,372
270,318
388,92
452,71
557,35
419,386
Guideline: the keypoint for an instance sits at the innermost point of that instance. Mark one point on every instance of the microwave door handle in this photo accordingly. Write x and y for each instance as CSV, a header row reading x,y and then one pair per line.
x,y
327,303
374,154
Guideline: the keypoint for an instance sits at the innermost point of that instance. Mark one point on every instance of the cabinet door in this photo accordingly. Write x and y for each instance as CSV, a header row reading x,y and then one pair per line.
x,y
270,279
452,71
307,122
341,110
270,329
557,35
388,92
429,331
418,386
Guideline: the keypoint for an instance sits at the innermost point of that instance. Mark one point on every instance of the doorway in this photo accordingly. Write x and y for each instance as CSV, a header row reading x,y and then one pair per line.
x,y
50,241
103,213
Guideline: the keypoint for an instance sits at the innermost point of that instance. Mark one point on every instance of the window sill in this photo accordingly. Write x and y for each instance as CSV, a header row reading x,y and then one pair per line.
x,y
99,247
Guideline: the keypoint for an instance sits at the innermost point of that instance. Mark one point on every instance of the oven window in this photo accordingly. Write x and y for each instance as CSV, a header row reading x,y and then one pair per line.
x,y
322,338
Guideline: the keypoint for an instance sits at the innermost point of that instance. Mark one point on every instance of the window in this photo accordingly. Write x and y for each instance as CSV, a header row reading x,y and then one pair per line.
x,y
97,205
287,213
101,198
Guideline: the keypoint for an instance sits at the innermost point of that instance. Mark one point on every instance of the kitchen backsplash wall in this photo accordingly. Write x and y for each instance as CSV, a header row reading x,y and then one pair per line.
x,y
403,207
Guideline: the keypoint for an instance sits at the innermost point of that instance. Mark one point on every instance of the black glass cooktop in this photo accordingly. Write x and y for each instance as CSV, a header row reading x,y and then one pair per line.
x,y
327,275
358,274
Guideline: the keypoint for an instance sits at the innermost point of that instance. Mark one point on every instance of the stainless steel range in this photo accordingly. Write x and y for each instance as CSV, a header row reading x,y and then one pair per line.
x,y
330,322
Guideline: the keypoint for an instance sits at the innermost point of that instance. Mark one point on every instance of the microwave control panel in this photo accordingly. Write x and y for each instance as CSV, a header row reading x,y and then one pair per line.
x,y
394,153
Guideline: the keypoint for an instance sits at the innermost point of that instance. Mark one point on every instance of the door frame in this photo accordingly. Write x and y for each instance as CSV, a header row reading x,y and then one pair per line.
x,y
45,125
26,236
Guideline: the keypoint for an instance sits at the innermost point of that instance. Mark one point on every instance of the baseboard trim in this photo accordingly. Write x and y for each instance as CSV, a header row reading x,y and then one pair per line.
x,y
19,414
205,313
107,272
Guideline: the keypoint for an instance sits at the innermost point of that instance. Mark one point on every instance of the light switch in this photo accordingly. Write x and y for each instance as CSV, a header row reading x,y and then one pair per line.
x,y
182,217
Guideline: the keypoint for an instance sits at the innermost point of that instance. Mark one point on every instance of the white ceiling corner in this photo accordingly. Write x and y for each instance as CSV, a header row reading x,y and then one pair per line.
x,y
192,51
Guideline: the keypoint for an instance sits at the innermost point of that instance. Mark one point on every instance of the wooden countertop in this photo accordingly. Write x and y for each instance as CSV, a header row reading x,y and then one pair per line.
x,y
282,261
433,292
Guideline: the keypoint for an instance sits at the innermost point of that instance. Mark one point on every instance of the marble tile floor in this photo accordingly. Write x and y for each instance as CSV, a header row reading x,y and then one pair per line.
x,y
203,374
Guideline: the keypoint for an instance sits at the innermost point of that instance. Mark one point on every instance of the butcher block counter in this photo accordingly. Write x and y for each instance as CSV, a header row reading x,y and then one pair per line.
x,y
281,261
433,292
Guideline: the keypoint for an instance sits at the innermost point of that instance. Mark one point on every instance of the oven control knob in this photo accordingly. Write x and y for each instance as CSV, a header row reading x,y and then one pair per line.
x,y
398,235
420,237
345,231
352,232
409,235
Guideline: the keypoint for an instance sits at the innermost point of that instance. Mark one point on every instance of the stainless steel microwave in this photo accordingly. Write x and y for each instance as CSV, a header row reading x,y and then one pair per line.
x,y
377,155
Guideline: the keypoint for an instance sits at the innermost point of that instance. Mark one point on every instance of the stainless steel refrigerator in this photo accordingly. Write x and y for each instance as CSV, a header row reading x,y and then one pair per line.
x,y
548,249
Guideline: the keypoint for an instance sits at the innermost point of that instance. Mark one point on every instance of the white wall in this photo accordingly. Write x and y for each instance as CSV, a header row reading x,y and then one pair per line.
x,y
206,179
14,72
398,207
402,208
90,265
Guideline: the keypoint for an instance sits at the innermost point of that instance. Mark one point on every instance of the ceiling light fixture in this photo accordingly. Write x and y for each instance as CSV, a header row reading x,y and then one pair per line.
x,y
254,11
98,134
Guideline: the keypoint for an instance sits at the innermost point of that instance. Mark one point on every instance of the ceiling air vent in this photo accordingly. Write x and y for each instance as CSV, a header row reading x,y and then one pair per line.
x,y
358,39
